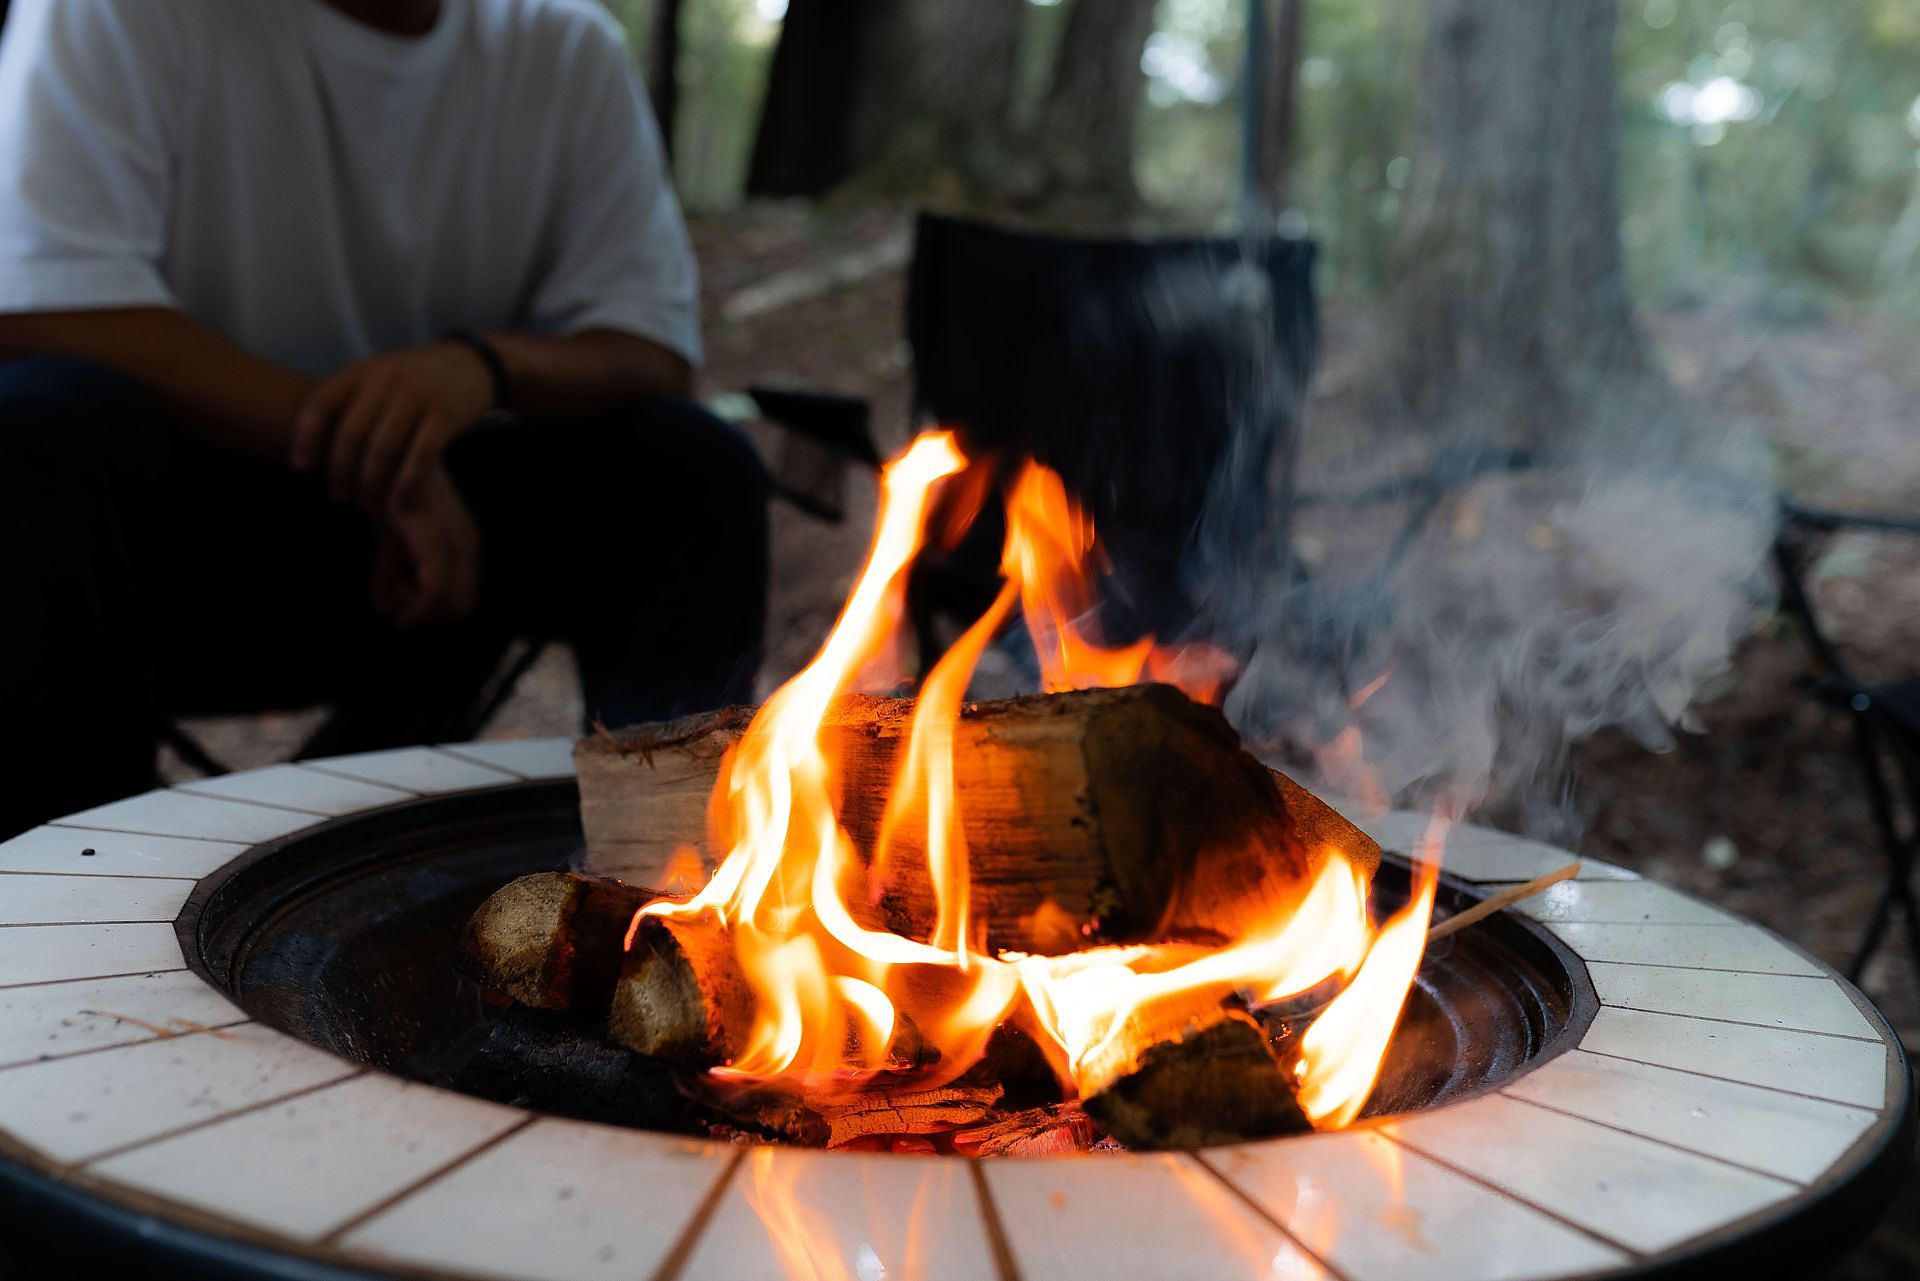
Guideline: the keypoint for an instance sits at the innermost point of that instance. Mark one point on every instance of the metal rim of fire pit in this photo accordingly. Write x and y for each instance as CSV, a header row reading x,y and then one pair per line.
x,y
1733,1100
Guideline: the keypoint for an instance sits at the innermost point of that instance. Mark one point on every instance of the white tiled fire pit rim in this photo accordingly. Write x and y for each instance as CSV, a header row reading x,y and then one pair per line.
x,y
1726,1082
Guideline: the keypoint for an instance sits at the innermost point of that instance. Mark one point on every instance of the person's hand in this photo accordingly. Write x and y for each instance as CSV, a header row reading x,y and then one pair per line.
x,y
426,566
381,423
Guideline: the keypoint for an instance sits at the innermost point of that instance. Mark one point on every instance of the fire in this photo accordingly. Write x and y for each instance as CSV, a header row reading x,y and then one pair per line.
x,y
833,993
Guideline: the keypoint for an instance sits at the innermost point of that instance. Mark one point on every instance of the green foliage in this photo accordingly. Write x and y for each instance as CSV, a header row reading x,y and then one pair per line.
x,y
1805,184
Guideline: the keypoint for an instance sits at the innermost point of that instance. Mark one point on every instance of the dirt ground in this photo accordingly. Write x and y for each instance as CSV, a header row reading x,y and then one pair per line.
x,y
1763,812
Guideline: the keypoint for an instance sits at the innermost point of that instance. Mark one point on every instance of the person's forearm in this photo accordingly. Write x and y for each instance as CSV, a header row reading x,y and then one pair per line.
x,y
588,373
219,393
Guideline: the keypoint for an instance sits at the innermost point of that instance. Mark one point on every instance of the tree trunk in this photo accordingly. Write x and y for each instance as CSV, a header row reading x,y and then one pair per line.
x,y
663,57
1278,84
804,145
1510,311
937,104
1087,124
904,93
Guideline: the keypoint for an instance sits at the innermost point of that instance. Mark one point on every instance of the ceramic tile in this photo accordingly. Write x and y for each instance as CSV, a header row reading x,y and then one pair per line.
x,y
843,1215
65,900
558,1201
61,849
1620,902
527,757
1508,858
299,788
56,1019
1826,1067
1702,947
1476,853
1151,1215
1783,1134
169,812
77,1108
416,769
56,953
316,1161
1780,1000
1377,1212
1625,1188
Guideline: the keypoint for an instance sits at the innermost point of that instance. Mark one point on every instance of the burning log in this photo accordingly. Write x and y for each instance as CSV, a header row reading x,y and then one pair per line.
x,y
552,940
884,1113
1111,814
1218,1084
1057,1130
681,995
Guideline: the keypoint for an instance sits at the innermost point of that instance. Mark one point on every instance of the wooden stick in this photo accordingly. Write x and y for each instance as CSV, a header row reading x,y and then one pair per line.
x,y
1487,907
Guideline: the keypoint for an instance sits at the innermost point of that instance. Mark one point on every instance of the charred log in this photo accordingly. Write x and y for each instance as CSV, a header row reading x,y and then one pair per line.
x,y
1100,815
681,995
1219,1084
552,940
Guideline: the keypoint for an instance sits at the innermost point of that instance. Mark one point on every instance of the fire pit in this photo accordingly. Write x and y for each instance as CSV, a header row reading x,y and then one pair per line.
x,y
228,1018
937,939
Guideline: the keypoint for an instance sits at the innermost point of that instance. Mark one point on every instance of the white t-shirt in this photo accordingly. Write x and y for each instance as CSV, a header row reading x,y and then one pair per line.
x,y
317,190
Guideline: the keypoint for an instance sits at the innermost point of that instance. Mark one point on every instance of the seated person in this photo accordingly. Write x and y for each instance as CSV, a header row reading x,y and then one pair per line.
x,y
337,337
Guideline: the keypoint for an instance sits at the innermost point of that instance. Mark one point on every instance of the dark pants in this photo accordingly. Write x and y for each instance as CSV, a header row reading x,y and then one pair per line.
x,y
143,577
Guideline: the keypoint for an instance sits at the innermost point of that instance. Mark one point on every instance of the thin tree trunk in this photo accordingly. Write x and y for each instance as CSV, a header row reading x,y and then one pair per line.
x,y
1510,310
1279,83
1087,124
663,58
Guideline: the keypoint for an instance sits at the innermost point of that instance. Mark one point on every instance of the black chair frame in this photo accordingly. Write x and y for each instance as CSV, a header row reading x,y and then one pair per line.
x,y
1885,722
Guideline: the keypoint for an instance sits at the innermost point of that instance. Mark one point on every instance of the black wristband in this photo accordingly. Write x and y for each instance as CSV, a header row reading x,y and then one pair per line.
x,y
496,367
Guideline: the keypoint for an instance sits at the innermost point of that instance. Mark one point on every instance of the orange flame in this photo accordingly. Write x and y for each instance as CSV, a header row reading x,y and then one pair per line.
x,y
831,991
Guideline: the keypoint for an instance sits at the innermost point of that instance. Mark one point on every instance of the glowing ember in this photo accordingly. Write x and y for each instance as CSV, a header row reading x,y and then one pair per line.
x,y
832,993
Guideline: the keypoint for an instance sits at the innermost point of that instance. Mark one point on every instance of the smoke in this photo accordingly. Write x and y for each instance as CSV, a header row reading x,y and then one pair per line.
x,y
1442,620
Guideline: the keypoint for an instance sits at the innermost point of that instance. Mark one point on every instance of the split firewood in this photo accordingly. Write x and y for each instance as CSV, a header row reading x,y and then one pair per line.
x,y
877,1113
681,995
1098,815
1218,1084
1057,1130
552,940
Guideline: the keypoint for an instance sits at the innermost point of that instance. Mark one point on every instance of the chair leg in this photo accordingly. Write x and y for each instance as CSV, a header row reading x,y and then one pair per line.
x,y
1899,850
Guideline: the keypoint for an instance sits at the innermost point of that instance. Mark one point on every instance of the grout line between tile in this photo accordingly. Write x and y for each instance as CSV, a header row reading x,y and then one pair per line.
x,y
1692,925
188,789
459,755
1241,1195
1734,1080
1766,1027
137,920
179,836
442,751
332,1236
1005,1266
89,978
108,876
676,1258
1668,965
382,782
121,1149
171,1035
1591,1234
312,768
1654,1138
